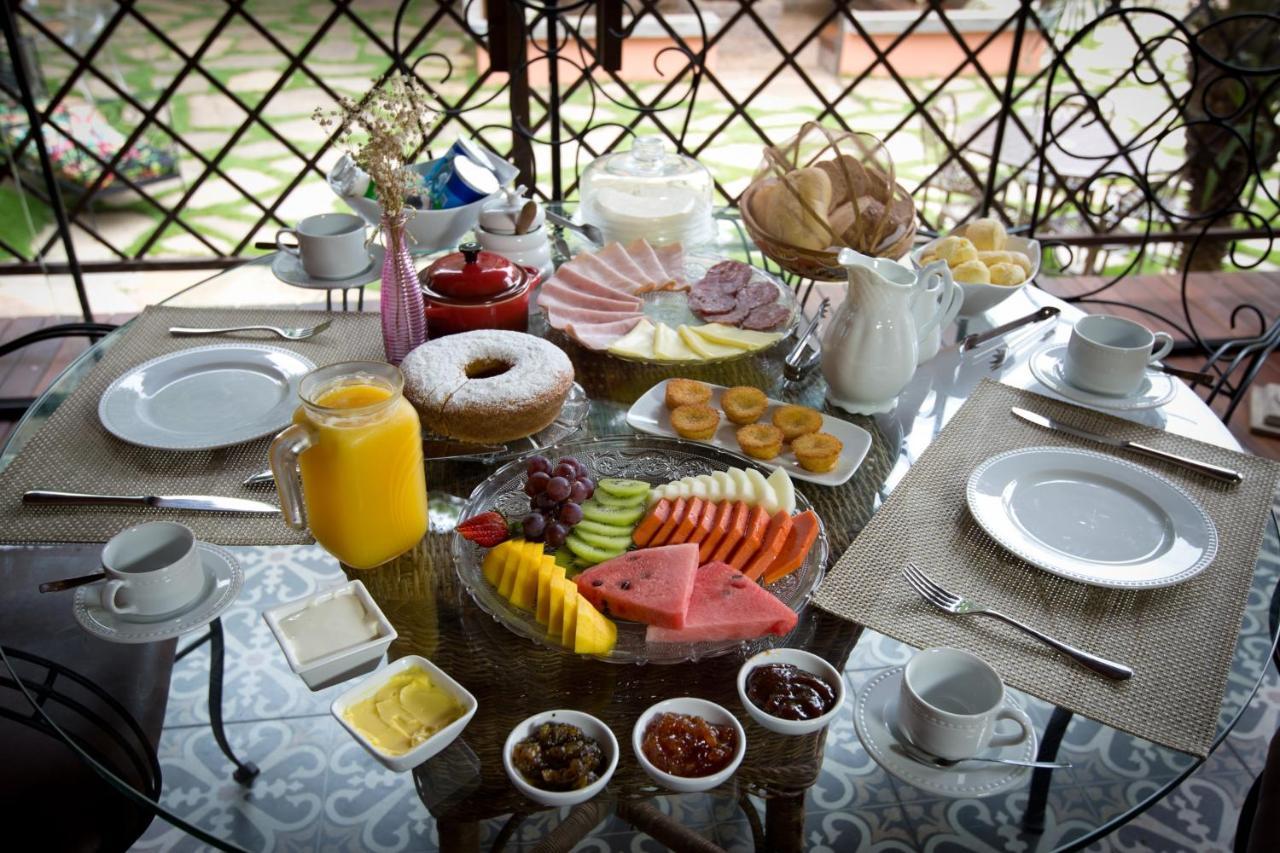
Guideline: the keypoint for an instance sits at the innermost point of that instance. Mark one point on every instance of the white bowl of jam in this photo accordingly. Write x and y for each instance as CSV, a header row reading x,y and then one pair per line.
x,y
790,691
591,734
689,763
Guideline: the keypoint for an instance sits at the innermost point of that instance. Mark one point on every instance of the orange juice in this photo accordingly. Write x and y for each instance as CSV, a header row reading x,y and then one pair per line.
x,y
358,445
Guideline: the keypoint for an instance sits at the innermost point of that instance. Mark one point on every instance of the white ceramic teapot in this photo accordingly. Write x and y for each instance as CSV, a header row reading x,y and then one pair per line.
x,y
871,347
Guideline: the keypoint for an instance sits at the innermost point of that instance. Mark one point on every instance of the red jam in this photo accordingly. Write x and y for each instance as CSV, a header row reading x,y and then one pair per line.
x,y
689,746
789,693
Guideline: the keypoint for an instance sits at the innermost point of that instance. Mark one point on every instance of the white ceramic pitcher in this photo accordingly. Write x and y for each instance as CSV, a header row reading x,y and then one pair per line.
x,y
870,348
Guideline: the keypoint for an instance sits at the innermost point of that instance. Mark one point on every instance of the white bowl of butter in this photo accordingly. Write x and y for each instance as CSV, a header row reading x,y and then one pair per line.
x,y
406,712
331,636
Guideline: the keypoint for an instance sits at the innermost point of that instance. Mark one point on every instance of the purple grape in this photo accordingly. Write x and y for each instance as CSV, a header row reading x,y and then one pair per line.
x,y
538,465
578,468
534,525
558,488
578,492
565,469
543,501
570,514
556,534
536,484
589,484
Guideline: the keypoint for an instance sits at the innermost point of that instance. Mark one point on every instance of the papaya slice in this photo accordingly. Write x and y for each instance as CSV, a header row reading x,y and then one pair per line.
x,y
774,538
735,534
804,532
705,522
719,527
669,526
757,527
652,523
692,512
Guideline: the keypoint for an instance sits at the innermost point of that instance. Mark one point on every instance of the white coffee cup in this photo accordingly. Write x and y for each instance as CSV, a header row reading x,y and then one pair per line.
x,y
152,569
1109,355
950,703
330,245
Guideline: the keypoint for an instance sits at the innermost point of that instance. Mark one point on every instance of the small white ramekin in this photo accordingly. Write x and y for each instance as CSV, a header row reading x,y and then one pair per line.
x,y
591,727
707,710
800,659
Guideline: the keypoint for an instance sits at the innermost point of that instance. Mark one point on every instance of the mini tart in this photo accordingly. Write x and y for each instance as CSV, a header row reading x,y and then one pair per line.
x,y
687,392
743,404
760,441
695,421
795,421
817,451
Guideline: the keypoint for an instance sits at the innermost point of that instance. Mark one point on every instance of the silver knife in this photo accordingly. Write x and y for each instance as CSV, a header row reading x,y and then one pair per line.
x,y
968,342
191,503
1218,473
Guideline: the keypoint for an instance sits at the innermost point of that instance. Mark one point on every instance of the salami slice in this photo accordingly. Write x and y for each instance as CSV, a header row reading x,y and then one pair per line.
x,y
756,294
707,300
727,276
729,318
765,317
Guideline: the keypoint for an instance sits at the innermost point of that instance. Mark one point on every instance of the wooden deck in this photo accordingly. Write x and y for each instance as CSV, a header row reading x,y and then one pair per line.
x,y
1212,296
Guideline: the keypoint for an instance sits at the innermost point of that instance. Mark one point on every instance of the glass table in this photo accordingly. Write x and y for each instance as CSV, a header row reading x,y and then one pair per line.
x,y
1114,776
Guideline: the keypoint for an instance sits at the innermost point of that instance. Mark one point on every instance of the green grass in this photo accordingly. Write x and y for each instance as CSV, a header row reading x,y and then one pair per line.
x,y
22,217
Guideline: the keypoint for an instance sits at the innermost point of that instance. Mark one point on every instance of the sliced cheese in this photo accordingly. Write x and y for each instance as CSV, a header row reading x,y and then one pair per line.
x,y
668,346
704,346
741,339
637,343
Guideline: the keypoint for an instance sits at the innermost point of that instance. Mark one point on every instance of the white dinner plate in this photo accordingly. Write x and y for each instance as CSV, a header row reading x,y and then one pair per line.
x,y
1091,518
650,414
205,397
1048,366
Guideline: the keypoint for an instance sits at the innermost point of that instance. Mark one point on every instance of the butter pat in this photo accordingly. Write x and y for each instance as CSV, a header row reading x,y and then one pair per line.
x,y
404,712
328,625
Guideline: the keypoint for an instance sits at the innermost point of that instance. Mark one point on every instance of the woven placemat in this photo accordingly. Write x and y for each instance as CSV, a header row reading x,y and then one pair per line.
x,y
1179,640
73,452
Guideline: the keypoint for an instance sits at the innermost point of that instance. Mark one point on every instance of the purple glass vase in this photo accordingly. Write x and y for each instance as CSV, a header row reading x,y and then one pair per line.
x,y
404,320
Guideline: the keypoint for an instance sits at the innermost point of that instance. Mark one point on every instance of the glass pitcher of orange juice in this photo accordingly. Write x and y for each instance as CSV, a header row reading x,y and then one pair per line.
x,y
357,443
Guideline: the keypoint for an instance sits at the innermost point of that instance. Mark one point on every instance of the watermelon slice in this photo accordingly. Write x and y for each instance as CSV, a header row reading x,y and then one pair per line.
x,y
726,605
651,585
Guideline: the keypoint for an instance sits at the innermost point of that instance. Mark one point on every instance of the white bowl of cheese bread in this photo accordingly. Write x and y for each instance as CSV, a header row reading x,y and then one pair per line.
x,y
989,264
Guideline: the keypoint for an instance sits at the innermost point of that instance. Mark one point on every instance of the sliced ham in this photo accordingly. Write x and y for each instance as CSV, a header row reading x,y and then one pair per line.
x,y
643,255
599,336
557,292
616,256
589,266
671,256
567,316
585,284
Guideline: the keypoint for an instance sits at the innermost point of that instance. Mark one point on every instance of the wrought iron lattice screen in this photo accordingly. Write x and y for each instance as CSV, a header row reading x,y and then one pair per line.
x,y
178,132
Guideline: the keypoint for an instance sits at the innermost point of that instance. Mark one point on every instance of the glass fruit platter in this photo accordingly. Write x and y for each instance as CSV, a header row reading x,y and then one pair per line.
x,y
651,459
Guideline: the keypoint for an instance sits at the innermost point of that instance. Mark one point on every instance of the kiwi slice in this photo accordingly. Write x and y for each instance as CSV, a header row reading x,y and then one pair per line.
x,y
618,516
587,552
613,500
599,529
564,558
609,543
623,488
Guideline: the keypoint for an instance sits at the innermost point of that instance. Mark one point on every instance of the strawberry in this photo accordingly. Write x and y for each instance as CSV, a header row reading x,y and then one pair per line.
x,y
486,529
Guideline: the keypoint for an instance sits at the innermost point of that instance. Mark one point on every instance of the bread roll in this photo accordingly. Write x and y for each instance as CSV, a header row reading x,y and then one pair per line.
x,y
987,235
784,216
973,272
1007,274
955,251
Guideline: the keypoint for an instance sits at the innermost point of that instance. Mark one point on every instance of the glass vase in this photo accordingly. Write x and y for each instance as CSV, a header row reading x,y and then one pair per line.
x,y
404,321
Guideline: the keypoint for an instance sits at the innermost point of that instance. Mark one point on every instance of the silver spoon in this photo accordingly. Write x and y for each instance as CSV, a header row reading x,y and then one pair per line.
x,y
591,232
919,756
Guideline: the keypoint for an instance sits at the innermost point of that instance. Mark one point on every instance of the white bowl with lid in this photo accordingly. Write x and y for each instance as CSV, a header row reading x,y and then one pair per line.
x,y
802,660
707,710
340,664
591,727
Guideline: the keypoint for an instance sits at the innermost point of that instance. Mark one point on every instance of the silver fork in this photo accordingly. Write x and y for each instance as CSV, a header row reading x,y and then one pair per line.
x,y
289,333
931,592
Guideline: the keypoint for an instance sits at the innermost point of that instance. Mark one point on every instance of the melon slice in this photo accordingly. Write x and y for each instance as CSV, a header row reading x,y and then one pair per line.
x,y
595,634
651,585
496,560
569,624
529,554
560,590
637,343
727,605
784,490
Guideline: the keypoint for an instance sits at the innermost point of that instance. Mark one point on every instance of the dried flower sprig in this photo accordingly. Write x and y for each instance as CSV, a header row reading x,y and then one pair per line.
x,y
382,131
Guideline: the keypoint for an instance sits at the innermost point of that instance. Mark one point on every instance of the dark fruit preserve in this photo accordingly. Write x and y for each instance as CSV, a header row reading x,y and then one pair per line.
x,y
558,757
686,745
785,691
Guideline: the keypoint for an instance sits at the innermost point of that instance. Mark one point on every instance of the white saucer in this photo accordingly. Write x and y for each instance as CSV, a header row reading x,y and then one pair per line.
x,y
288,268
1156,389
877,702
223,578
